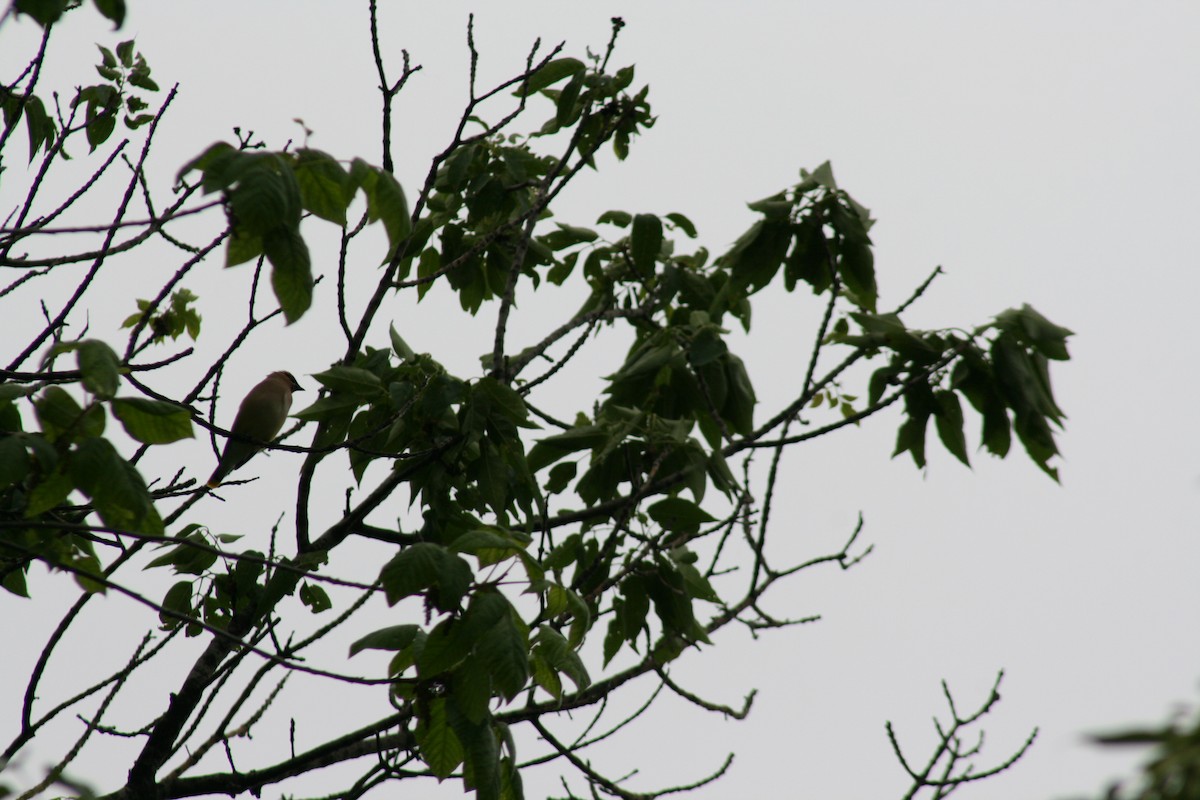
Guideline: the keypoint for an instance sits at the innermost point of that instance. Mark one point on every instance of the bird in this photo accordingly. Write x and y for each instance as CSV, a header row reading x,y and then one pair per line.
x,y
259,420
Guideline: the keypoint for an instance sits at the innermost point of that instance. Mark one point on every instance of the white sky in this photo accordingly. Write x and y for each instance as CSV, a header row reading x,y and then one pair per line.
x,y
1041,153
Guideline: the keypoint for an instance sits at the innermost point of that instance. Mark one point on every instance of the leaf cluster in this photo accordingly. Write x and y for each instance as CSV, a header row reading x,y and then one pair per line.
x,y
521,536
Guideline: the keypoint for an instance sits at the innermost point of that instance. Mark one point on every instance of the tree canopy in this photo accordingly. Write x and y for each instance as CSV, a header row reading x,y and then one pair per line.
x,y
542,557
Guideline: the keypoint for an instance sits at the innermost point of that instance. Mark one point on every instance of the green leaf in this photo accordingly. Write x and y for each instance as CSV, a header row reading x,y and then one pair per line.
x,y
568,235
646,242
697,585
756,255
217,164
550,74
57,412
399,346
44,12
241,247
115,487
1049,339
125,53
14,460
568,107
444,647
266,196
100,367
424,566
471,689
501,400
394,638
351,380
385,202
437,743
188,557
481,539
683,223
113,10
178,599
553,448
13,391
911,438
491,476
481,754
777,207
822,176
14,581
315,597
677,514
949,421
153,421
326,189
142,80
1037,437
740,398
857,270
1017,378
48,493
551,646
504,650
329,408
672,604
39,126
706,348
546,676
561,476
291,277
621,219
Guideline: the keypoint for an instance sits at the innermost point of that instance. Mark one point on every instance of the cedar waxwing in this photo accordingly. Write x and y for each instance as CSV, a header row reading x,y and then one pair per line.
x,y
258,421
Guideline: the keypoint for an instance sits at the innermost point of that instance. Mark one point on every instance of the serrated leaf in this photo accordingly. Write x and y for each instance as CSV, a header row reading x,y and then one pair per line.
x,y
557,653
266,196
326,189
506,653
437,743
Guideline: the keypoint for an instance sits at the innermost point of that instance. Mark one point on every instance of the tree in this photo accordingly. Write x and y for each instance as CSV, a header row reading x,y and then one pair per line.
x,y
539,560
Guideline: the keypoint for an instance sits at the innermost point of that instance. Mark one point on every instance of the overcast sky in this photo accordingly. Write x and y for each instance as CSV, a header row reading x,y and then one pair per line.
x,y
1039,152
